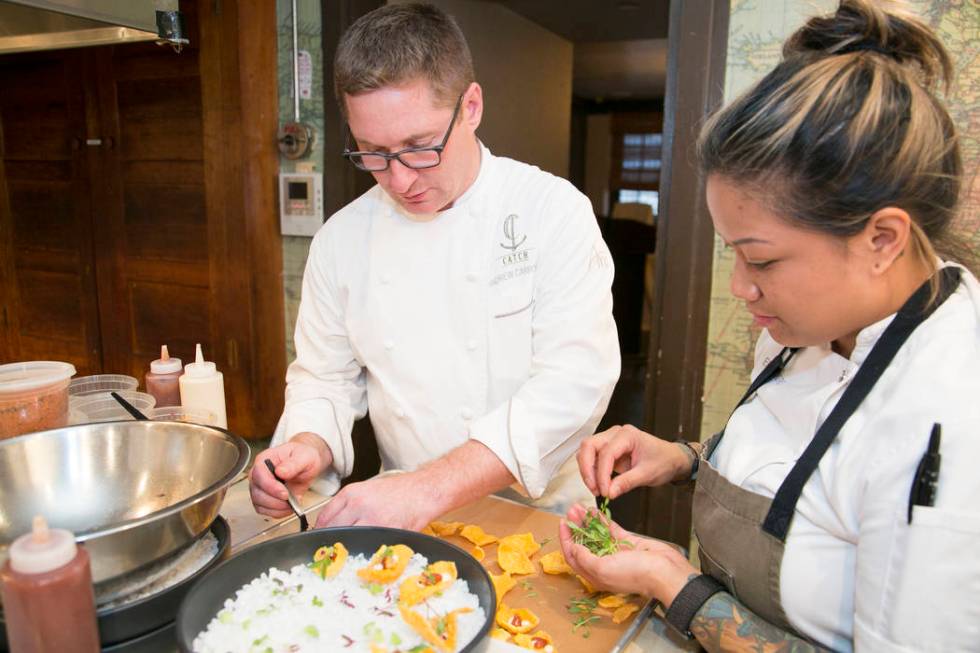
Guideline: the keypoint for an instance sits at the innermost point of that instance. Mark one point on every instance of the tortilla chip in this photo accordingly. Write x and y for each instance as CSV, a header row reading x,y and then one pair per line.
x,y
539,641
428,531
502,584
446,528
516,620
329,560
476,535
500,633
512,558
436,578
623,612
440,631
478,553
589,588
612,601
523,541
387,564
554,563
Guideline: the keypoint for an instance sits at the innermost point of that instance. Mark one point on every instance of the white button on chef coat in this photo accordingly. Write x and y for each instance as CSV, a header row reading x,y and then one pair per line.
x,y
517,266
855,574
466,413
471,345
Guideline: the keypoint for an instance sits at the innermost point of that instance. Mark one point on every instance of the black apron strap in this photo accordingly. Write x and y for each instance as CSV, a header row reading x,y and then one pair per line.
x,y
769,372
915,311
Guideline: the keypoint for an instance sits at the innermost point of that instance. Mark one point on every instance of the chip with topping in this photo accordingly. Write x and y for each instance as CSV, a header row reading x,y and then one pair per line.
x,y
440,630
478,553
436,578
476,535
329,560
386,565
539,641
623,612
554,563
516,620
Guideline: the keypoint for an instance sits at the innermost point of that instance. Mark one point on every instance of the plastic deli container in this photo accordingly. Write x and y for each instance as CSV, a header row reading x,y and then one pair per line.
x,y
33,396
182,414
103,408
90,385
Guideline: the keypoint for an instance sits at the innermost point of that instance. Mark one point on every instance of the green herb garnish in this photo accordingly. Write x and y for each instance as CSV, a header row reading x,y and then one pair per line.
x,y
312,631
594,533
375,588
317,602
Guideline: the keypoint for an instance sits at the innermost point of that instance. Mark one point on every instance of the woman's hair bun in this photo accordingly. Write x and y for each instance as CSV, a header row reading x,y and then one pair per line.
x,y
878,27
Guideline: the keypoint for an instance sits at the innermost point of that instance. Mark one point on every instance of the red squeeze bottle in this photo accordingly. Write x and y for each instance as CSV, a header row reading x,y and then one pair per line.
x,y
48,600
161,380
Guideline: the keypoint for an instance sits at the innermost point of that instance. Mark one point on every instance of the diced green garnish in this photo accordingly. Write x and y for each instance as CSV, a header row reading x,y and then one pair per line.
x,y
375,588
311,631
369,628
395,639
246,624
317,602
418,649
256,642
226,617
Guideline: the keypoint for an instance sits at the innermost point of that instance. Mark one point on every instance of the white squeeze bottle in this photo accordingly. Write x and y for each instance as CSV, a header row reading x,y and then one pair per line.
x,y
203,386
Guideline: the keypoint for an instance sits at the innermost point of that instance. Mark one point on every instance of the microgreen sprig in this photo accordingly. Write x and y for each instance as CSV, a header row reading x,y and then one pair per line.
x,y
594,533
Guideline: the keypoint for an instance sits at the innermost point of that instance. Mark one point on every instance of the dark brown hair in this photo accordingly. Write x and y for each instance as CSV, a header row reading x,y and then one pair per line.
x,y
849,123
399,43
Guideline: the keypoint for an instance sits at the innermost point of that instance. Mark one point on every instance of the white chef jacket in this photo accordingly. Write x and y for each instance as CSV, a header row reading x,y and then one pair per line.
x,y
855,574
491,322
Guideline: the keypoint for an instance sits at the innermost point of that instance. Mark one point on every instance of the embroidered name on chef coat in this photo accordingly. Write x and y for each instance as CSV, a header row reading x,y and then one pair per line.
x,y
514,258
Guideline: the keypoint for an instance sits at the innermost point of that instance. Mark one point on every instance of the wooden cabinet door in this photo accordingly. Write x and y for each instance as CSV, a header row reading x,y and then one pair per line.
x,y
130,215
47,273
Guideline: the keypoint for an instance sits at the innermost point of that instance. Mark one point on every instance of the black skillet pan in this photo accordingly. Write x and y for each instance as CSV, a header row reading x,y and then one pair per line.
x,y
130,620
207,598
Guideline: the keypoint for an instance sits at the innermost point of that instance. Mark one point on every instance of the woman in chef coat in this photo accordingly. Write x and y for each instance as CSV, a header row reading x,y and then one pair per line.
x,y
838,507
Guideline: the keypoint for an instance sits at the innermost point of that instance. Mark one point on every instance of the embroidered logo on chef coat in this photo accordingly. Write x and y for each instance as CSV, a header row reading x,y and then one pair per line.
x,y
511,234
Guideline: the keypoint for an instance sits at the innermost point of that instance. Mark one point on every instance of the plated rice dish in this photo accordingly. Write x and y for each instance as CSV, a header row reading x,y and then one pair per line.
x,y
393,602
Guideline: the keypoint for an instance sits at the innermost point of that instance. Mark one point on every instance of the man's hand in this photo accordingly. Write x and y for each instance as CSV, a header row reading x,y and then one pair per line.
x,y
298,462
394,500
651,568
413,499
640,459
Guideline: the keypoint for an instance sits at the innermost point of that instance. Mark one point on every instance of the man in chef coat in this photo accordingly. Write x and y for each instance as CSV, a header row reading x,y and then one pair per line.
x,y
464,302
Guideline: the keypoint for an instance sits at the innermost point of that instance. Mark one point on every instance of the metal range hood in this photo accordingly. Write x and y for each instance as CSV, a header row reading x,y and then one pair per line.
x,y
27,25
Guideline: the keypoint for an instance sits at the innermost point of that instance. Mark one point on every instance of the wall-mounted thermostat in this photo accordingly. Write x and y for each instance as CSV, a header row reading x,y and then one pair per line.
x,y
300,203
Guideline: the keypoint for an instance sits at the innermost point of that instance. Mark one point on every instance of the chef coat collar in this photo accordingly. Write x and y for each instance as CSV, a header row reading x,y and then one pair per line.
x,y
868,336
467,198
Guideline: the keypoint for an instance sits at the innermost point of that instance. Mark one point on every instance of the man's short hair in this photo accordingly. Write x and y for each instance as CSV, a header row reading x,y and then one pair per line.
x,y
399,43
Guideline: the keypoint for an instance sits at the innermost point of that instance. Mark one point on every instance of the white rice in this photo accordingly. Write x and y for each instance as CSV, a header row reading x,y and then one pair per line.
x,y
287,612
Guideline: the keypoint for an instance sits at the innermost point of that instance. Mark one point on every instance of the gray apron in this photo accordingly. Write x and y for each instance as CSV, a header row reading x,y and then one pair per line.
x,y
742,534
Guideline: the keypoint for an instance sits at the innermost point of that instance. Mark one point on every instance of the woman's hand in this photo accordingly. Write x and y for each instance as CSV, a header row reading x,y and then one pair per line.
x,y
638,457
646,566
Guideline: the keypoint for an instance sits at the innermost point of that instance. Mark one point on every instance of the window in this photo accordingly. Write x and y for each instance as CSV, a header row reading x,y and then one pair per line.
x,y
651,197
636,158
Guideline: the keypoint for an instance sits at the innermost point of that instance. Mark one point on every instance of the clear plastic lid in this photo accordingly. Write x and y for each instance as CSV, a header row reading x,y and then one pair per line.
x,y
21,377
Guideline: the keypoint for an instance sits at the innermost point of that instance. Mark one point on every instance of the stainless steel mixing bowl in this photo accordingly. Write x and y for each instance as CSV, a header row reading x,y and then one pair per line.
x,y
133,492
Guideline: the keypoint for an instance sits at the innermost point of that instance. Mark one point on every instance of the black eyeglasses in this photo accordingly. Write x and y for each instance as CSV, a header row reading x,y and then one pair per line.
x,y
417,158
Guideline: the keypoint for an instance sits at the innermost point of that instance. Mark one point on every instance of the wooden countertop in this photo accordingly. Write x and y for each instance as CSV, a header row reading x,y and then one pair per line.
x,y
248,528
